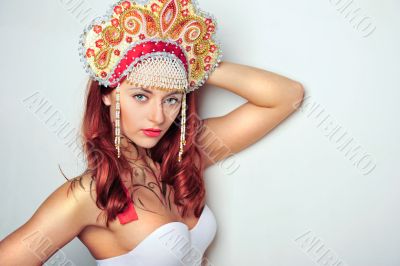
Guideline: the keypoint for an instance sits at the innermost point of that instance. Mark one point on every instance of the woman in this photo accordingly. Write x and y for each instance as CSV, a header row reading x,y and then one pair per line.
x,y
143,190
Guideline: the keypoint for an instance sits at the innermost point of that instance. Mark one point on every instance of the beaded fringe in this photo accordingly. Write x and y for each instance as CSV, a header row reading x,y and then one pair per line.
x,y
117,140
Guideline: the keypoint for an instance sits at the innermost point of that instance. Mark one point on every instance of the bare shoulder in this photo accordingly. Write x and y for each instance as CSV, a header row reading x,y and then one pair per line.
x,y
81,191
77,195
61,217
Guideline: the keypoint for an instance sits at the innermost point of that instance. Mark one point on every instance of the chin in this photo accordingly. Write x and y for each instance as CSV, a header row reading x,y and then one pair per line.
x,y
147,145
147,142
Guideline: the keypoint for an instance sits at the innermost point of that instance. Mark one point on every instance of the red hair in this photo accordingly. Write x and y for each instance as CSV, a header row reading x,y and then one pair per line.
x,y
106,169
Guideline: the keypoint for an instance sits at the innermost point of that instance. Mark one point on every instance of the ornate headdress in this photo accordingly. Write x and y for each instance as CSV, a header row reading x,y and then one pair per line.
x,y
161,44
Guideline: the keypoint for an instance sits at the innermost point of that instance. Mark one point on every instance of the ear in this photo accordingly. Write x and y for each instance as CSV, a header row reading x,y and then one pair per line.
x,y
107,99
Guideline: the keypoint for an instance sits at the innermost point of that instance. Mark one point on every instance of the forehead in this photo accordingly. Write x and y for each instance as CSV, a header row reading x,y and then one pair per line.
x,y
154,90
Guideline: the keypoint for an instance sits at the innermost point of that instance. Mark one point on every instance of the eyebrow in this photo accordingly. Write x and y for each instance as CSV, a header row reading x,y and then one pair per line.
x,y
148,91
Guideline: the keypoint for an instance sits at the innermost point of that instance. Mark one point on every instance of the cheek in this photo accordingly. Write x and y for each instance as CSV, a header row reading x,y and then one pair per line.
x,y
173,112
131,116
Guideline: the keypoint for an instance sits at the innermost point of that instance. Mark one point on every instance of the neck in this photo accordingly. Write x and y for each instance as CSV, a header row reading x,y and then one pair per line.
x,y
138,159
130,150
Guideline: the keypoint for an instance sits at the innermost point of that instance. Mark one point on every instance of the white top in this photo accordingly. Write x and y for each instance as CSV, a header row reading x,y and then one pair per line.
x,y
171,244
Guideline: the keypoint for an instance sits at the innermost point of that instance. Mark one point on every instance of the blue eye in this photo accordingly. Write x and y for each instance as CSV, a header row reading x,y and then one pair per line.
x,y
142,98
176,100
138,95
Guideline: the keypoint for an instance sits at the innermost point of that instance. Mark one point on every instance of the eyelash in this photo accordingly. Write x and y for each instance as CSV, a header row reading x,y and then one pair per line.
x,y
177,100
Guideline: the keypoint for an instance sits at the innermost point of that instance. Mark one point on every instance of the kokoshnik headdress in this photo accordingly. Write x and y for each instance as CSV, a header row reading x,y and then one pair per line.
x,y
161,44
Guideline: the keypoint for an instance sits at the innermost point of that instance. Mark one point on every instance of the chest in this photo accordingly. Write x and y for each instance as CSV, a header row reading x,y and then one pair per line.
x,y
120,239
153,203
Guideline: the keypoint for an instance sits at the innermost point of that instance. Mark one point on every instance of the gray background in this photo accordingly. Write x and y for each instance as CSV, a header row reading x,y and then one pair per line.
x,y
320,189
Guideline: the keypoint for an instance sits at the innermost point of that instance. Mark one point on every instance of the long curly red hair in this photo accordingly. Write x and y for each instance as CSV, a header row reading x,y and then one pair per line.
x,y
106,169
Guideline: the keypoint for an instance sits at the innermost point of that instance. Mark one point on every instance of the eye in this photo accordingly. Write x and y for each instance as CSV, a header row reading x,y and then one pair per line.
x,y
139,97
173,99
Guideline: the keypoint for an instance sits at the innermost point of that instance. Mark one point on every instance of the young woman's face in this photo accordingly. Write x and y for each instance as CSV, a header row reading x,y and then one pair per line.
x,y
142,109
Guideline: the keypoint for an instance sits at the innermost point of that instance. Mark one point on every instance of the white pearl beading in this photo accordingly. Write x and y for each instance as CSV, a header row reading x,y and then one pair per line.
x,y
161,72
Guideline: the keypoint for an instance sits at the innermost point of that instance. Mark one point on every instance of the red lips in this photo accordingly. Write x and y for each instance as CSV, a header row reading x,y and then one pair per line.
x,y
152,129
151,132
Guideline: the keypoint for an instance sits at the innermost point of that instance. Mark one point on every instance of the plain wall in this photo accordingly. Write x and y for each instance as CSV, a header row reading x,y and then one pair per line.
x,y
319,189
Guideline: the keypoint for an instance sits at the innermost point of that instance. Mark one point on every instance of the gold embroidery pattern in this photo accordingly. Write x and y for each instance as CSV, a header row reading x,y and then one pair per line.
x,y
177,21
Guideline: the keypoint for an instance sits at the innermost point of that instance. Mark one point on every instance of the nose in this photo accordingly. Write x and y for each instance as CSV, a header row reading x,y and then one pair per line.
x,y
156,114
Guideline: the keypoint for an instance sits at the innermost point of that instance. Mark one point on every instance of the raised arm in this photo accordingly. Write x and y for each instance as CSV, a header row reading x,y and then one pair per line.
x,y
55,223
271,98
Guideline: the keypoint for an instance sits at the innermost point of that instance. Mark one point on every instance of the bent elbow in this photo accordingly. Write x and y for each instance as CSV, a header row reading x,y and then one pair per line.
x,y
297,95
299,90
